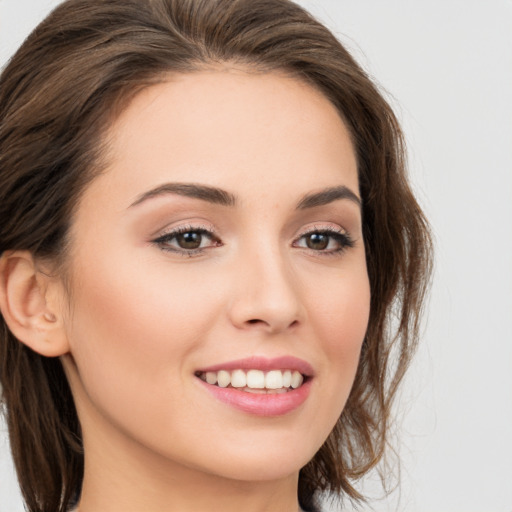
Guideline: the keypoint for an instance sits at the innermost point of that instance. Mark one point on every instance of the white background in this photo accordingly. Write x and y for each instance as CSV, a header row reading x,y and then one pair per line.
x,y
447,67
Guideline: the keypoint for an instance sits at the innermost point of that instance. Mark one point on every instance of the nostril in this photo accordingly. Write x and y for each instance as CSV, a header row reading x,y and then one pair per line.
x,y
257,321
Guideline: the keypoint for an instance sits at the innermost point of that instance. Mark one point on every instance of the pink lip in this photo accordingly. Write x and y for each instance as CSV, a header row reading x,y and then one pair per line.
x,y
270,404
264,364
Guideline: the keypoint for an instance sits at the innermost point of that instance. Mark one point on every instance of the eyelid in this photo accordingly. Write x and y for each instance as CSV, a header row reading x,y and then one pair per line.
x,y
335,231
318,227
183,228
169,233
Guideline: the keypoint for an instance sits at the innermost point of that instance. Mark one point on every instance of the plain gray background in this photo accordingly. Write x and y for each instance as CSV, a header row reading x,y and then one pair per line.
x,y
446,66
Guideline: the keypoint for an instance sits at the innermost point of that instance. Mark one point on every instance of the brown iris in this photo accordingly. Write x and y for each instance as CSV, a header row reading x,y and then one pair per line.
x,y
317,241
189,240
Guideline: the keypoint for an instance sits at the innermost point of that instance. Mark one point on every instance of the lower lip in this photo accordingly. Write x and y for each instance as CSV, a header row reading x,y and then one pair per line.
x,y
268,404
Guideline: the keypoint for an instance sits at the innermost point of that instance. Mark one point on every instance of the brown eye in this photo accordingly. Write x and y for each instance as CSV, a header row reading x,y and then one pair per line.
x,y
189,240
325,241
317,241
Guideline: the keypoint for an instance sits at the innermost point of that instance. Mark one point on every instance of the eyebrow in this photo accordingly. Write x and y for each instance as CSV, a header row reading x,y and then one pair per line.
x,y
205,193
222,197
326,196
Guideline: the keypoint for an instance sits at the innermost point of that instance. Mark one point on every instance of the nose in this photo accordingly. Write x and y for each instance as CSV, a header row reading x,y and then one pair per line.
x,y
266,294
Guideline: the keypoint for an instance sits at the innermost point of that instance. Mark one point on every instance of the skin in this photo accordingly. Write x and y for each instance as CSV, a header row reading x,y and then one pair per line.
x,y
141,317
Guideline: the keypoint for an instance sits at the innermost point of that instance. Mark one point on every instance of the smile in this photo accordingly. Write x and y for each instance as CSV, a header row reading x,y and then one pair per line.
x,y
258,385
255,381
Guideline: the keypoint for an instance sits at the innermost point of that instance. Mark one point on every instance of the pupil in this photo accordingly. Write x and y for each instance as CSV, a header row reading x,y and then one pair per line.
x,y
317,241
189,240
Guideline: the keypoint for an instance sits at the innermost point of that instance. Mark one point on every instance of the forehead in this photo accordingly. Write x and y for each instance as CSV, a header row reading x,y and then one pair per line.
x,y
230,128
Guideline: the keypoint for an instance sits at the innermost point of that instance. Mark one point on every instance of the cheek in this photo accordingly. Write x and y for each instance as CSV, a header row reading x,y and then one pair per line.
x,y
139,306
131,333
340,311
340,323
345,322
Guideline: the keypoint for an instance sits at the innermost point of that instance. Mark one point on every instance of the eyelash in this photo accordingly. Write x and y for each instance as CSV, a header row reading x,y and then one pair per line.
x,y
343,240
163,241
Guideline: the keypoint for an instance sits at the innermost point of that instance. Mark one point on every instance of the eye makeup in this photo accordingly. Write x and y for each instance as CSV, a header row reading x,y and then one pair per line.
x,y
188,240
192,240
328,241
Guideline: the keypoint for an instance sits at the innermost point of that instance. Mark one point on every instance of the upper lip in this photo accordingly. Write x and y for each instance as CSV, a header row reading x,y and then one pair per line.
x,y
264,364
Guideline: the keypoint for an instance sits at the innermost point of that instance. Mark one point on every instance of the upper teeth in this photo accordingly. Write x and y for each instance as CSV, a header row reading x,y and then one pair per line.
x,y
254,379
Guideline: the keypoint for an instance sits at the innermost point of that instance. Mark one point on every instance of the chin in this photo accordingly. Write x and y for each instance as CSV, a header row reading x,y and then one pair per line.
x,y
264,457
262,468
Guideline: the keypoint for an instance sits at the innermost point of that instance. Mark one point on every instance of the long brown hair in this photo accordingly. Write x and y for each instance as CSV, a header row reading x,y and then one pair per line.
x,y
58,96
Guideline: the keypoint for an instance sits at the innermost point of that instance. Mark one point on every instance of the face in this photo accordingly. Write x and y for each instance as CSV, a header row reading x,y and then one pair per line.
x,y
219,294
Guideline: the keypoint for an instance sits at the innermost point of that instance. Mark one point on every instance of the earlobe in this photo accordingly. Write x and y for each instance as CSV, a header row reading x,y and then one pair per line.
x,y
34,320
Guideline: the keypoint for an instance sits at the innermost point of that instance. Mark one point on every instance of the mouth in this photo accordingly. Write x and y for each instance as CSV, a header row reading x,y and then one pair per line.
x,y
259,386
255,381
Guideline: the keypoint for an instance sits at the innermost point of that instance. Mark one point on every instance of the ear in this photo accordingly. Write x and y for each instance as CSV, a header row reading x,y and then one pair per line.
x,y
31,304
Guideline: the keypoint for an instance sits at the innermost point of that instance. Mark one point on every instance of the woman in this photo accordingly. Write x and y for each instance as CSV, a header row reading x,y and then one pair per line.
x,y
206,227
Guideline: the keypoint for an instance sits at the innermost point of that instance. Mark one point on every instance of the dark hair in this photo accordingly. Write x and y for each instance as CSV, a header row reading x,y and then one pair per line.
x,y
58,96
